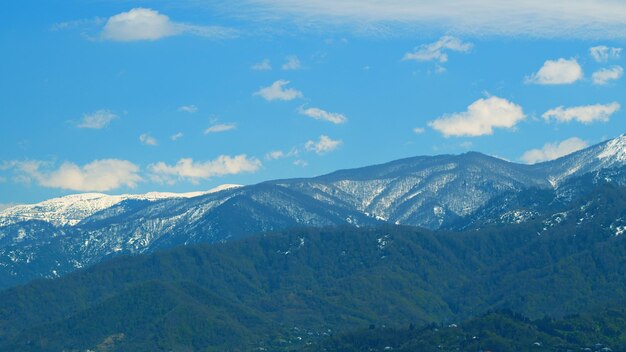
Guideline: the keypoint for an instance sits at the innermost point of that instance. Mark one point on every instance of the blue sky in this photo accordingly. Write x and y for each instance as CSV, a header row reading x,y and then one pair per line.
x,y
137,96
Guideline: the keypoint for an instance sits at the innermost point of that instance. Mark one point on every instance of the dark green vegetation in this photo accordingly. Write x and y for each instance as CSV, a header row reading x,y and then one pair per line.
x,y
501,331
281,291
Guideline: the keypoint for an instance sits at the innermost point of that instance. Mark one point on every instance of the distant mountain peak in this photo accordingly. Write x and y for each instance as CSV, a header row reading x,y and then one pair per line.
x,y
71,209
428,191
614,149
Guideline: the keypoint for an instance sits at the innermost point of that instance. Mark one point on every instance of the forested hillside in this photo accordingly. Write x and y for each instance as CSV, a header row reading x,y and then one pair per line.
x,y
502,331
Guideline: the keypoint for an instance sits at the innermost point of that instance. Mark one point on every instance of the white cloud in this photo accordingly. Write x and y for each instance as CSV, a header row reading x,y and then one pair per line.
x,y
99,175
291,63
139,24
188,108
194,171
418,130
277,91
561,71
320,114
97,120
584,114
324,145
176,136
603,53
264,65
605,75
148,24
481,117
147,139
551,151
438,51
221,127
534,18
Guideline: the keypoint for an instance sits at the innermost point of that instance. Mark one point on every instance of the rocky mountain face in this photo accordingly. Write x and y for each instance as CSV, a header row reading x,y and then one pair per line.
x,y
438,192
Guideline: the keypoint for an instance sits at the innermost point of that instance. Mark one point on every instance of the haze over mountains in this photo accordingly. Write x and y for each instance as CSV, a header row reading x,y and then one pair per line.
x,y
438,192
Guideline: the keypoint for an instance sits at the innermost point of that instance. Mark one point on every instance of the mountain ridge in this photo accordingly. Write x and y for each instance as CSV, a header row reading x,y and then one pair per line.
x,y
72,208
308,283
438,192
614,149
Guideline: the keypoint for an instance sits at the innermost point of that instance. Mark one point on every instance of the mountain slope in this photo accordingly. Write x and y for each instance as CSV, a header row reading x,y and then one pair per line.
x,y
259,291
447,191
497,331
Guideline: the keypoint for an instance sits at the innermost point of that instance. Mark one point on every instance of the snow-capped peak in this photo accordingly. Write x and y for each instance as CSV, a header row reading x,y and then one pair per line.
x,y
614,149
71,209
223,188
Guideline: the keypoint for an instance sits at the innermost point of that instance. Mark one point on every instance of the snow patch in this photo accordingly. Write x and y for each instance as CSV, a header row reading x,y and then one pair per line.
x,y
615,150
439,211
21,234
382,242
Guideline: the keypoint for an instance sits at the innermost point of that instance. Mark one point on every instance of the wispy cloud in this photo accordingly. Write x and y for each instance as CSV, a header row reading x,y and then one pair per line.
x,y
97,120
438,51
324,145
603,53
319,114
481,117
195,171
466,144
82,23
221,127
279,154
277,91
301,163
292,63
534,18
584,114
551,151
606,75
147,139
99,175
418,130
275,155
264,65
176,136
147,24
561,71
188,108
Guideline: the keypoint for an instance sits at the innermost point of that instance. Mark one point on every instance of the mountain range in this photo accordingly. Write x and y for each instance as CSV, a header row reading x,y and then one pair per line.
x,y
464,191
295,288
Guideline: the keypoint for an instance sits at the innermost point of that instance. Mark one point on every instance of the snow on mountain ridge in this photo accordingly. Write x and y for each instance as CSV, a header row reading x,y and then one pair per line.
x,y
615,149
71,209
429,191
